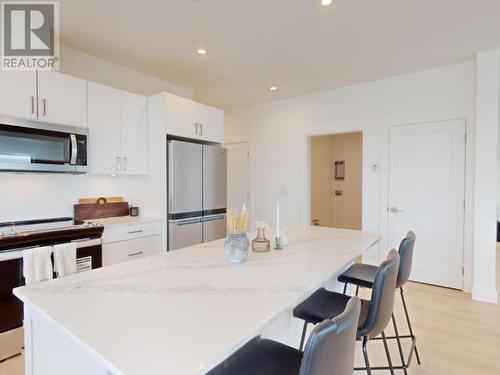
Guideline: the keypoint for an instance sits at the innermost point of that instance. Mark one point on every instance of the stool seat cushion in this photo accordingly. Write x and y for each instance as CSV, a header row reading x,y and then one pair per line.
x,y
263,357
324,304
359,274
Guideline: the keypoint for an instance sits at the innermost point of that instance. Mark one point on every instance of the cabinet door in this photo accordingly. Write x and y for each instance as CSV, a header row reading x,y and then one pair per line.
x,y
62,99
134,134
18,94
212,123
181,116
104,129
119,252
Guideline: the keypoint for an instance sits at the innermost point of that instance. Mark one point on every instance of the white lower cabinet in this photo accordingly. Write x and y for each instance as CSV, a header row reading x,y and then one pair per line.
x,y
122,251
127,242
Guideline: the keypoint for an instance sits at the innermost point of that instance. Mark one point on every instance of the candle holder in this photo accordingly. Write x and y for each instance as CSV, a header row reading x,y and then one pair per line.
x,y
278,244
261,244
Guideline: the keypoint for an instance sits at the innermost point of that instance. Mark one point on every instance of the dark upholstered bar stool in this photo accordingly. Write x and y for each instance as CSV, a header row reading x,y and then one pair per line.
x,y
375,314
364,274
329,351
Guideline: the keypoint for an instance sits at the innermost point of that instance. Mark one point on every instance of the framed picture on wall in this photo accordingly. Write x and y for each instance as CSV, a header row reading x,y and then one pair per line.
x,y
339,170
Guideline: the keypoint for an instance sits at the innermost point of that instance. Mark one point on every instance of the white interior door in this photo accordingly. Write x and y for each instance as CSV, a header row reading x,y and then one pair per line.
x,y
237,175
426,195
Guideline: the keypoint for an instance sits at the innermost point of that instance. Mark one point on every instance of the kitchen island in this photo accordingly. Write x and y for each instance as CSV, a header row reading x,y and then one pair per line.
x,y
182,312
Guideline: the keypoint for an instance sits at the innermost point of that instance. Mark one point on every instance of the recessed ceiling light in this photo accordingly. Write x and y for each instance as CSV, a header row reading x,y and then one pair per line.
x,y
202,51
325,3
273,88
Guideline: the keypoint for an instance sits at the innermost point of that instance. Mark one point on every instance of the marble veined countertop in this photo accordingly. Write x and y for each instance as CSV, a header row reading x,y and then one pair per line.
x,y
184,311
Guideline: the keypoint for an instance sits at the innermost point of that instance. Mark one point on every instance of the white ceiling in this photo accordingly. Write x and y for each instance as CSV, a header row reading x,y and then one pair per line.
x,y
297,45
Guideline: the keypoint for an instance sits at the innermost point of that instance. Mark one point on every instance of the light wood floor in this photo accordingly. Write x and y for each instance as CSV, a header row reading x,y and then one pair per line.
x,y
455,334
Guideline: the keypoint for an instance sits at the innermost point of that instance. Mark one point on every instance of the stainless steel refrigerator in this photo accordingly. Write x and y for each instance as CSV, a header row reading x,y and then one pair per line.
x,y
197,178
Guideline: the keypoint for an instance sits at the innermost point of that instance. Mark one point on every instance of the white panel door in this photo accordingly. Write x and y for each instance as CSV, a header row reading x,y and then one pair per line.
x,y
181,116
18,94
426,195
62,99
237,175
211,122
104,147
134,134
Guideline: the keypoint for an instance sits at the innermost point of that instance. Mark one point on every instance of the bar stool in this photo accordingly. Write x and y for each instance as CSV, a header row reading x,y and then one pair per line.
x,y
329,351
364,274
375,314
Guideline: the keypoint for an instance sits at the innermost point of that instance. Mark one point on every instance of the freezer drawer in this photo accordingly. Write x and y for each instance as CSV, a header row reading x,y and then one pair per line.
x,y
214,227
184,178
184,233
214,178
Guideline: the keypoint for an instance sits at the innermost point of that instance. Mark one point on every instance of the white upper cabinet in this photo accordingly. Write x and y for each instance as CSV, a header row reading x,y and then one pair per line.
x,y
181,116
104,106
62,99
190,119
210,123
118,131
134,134
18,94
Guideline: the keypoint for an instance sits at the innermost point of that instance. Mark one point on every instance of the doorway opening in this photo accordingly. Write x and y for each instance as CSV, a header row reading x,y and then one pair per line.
x,y
337,180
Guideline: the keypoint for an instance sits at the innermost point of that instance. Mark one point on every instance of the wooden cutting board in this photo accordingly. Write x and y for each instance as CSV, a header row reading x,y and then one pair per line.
x,y
104,208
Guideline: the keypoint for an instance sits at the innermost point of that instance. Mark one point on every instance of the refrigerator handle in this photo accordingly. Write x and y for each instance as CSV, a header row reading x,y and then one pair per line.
x,y
170,176
213,218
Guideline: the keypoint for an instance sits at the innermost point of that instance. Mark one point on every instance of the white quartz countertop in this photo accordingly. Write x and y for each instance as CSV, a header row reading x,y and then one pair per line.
x,y
123,220
184,311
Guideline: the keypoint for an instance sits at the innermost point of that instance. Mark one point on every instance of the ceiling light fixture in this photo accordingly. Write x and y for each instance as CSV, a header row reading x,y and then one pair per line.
x,y
325,3
273,88
202,51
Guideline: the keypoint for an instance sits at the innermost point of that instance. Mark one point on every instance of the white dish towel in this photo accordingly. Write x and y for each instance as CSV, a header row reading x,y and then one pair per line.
x,y
37,265
65,259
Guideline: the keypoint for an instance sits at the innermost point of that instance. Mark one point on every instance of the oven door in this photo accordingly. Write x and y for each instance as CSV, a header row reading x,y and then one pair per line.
x,y
40,147
88,254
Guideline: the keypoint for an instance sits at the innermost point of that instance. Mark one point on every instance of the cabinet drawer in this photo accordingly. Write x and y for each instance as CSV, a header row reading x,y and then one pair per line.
x,y
123,251
131,231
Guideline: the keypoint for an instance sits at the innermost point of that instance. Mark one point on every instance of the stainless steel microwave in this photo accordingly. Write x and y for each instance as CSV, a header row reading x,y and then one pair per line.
x,y
34,146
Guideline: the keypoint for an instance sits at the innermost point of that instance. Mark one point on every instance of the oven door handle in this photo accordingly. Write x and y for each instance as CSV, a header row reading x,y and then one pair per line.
x,y
74,149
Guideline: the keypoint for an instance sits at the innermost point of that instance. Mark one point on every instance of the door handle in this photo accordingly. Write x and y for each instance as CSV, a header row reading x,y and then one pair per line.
x,y
32,105
201,129
195,128
136,231
44,102
118,163
124,168
394,210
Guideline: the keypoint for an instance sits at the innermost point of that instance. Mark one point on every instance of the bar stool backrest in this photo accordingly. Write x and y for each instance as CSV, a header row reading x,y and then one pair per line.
x,y
330,348
382,301
405,258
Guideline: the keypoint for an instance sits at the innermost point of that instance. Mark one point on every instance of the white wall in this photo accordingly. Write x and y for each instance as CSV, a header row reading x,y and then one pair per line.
x,y
277,134
91,68
33,196
487,122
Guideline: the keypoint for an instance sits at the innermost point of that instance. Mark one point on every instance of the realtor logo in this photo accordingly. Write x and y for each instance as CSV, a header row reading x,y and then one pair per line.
x,y
30,35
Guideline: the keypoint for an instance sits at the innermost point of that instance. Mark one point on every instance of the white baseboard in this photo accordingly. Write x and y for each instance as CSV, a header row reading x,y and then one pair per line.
x,y
485,295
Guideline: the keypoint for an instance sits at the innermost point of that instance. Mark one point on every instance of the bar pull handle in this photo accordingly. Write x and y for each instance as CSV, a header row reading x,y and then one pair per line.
x,y
136,253
136,231
44,102
32,105
118,160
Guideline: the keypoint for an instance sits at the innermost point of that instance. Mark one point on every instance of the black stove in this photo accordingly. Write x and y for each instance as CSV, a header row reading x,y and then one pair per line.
x,y
42,232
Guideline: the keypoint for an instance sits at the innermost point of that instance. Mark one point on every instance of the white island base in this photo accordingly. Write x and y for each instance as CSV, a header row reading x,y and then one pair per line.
x,y
182,312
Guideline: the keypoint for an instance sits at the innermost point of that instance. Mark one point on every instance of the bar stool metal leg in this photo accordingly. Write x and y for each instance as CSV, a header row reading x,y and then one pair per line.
x,y
386,347
409,323
400,348
365,355
303,337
